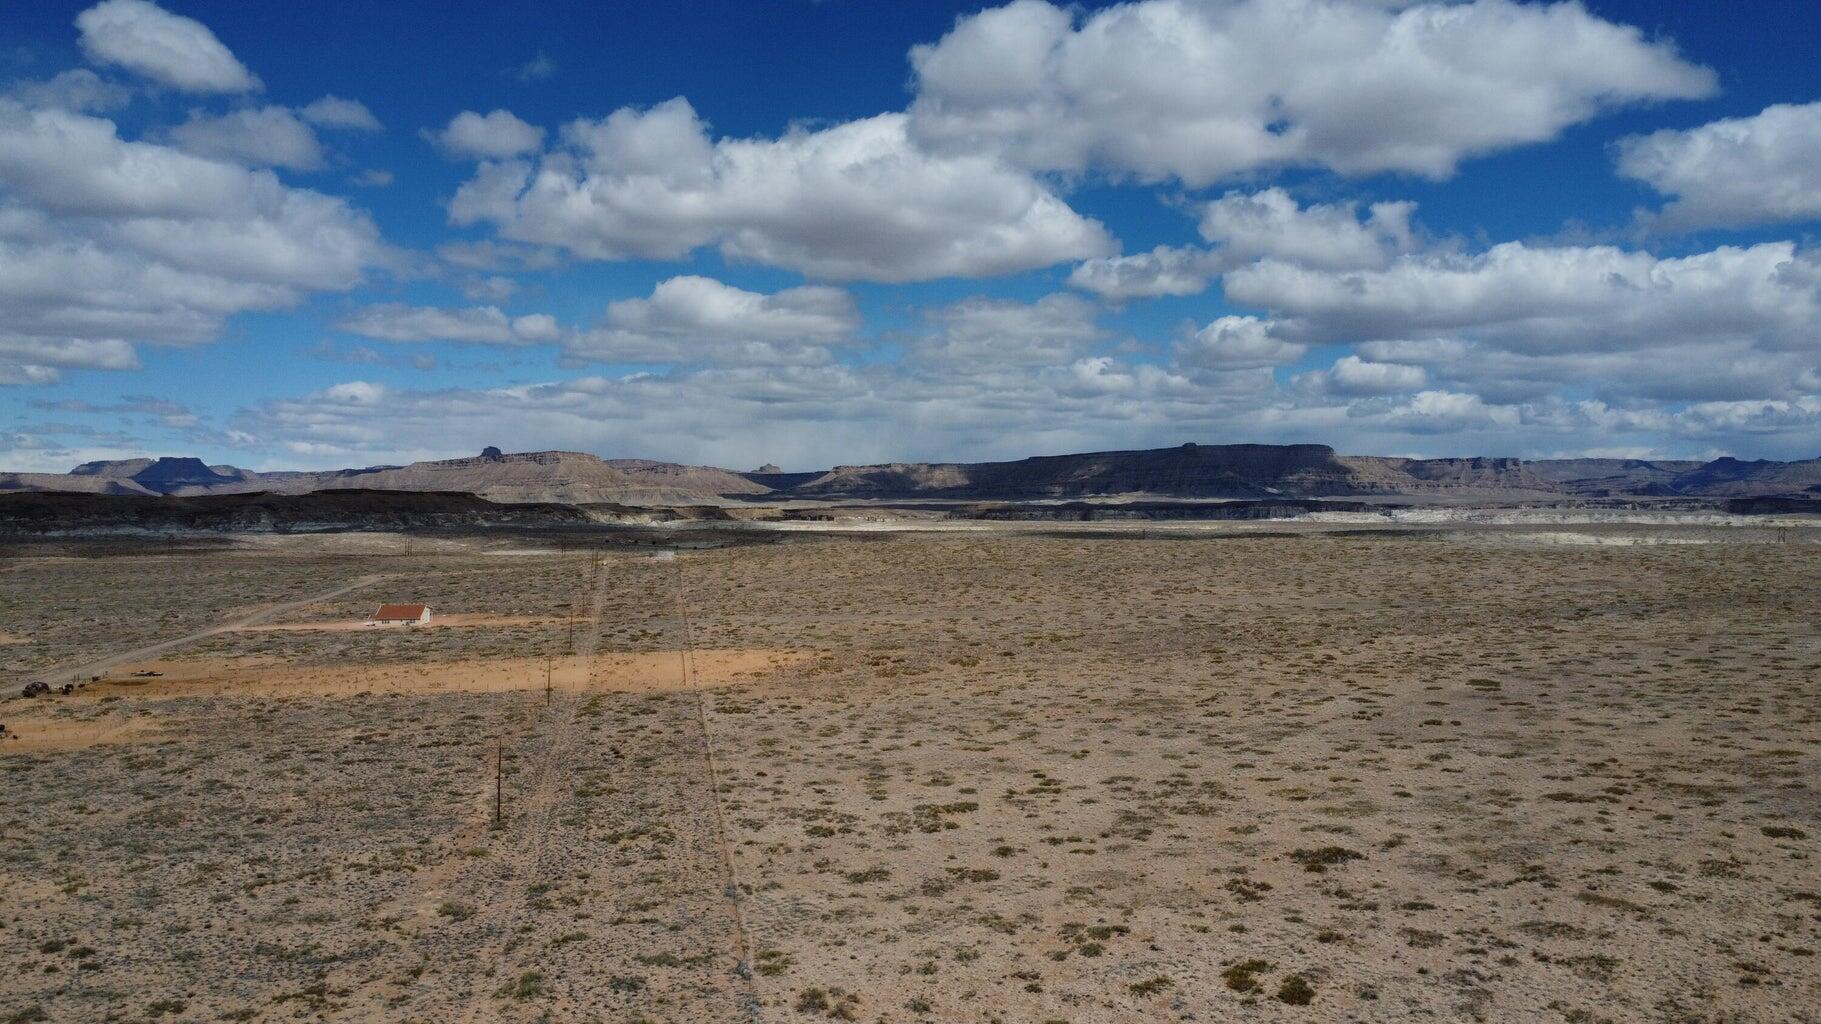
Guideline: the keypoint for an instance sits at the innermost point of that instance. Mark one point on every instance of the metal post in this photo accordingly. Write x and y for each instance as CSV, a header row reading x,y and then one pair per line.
x,y
499,779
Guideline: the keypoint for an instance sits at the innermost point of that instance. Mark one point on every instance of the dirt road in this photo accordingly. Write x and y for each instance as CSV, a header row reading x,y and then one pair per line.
x,y
94,668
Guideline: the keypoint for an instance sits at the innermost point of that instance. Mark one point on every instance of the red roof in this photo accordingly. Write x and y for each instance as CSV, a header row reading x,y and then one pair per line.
x,y
399,611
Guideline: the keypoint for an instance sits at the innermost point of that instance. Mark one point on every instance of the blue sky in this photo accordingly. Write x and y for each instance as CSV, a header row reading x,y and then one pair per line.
x,y
807,233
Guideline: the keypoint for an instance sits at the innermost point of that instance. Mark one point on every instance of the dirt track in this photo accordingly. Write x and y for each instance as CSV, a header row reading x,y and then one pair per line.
x,y
100,665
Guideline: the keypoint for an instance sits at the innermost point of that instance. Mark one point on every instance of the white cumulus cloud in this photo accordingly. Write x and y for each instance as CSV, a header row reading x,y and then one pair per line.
x,y
106,242
263,136
1269,224
167,48
77,89
856,201
1165,270
1236,343
335,112
983,332
1548,299
1351,375
488,136
1520,324
1201,90
1735,172
1243,227
476,325
1438,412
694,320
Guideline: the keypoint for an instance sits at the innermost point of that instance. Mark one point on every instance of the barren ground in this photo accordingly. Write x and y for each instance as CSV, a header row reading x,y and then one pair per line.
x,y
1274,774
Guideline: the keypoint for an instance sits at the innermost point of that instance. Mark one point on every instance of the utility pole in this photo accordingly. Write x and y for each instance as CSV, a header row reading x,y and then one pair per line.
x,y
499,779
546,680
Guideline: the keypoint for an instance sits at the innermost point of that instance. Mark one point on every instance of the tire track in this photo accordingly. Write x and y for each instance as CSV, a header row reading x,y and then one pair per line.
x,y
532,821
729,870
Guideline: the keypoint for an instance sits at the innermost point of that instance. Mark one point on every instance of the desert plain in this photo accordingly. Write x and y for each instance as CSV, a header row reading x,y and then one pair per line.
x,y
1254,772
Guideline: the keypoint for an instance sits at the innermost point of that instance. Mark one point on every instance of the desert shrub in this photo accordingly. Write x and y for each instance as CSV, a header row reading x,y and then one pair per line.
x,y
772,962
832,1003
1296,991
455,911
1321,859
527,986
1243,976
1150,987
1246,890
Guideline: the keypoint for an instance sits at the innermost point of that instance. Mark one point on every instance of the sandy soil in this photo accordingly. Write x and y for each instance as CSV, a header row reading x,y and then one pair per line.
x,y
33,734
642,672
1265,775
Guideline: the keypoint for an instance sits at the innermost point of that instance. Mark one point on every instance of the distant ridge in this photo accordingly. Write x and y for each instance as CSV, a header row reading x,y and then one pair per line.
x,y
1229,471
333,509
1192,471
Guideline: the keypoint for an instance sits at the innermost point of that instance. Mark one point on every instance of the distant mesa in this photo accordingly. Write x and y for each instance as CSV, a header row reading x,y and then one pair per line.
x,y
167,475
152,476
119,469
1192,470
